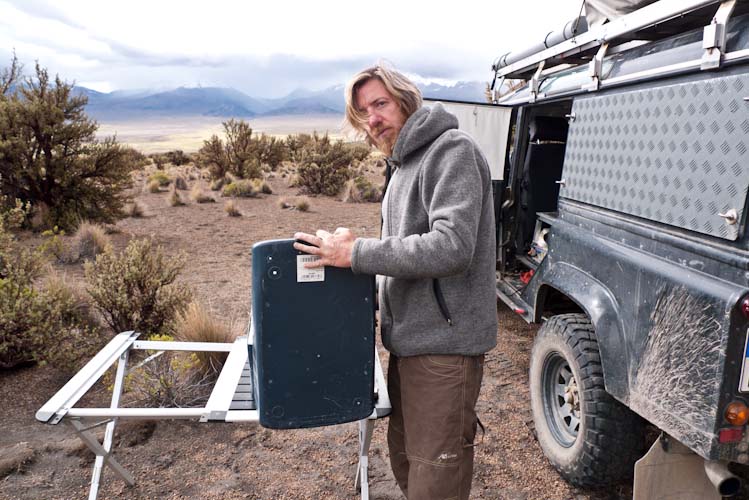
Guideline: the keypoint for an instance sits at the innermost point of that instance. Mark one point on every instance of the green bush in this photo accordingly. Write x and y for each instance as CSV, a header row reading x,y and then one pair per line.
x,y
161,177
178,158
359,151
262,186
135,158
49,154
324,166
242,188
360,190
39,324
240,153
137,289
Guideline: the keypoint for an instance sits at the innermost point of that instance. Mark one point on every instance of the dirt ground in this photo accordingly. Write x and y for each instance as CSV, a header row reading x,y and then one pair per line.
x,y
182,459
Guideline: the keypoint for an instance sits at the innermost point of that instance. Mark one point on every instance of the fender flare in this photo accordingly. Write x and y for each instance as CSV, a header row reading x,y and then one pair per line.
x,y
600,305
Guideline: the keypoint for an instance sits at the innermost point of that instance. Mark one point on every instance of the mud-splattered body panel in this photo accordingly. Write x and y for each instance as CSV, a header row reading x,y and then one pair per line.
x,y
662,292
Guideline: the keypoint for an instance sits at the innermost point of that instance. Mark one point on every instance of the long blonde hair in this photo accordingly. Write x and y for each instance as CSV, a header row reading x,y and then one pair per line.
x,y
403,90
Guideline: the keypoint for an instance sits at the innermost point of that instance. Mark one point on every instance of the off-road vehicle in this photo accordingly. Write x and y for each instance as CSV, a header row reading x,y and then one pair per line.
x,y
622,229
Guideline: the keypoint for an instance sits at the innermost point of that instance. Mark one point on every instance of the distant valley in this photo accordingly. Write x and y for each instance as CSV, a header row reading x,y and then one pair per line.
x,y
120,106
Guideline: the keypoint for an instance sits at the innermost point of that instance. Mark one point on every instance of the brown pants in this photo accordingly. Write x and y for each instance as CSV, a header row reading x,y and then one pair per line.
x,y
433,424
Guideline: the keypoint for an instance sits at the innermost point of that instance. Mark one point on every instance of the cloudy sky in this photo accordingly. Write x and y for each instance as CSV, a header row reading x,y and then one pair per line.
x,y
267,48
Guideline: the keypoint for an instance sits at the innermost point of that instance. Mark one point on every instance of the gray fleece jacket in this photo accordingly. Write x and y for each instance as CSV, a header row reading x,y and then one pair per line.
x,y
437,250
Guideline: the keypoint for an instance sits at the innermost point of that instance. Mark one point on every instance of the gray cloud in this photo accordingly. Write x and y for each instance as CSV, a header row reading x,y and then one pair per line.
x,y
45,10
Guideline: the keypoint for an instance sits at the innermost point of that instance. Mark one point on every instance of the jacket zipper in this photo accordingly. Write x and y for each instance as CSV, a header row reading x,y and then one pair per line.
x,y
441,302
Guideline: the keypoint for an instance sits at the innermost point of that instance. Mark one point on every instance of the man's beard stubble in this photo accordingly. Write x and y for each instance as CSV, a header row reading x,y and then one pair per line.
x,y
387,144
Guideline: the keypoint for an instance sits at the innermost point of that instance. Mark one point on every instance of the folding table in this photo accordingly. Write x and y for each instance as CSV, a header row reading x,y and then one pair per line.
x,y
231,400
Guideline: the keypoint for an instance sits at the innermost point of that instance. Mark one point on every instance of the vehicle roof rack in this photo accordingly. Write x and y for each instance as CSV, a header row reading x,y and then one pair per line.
x,y
653,22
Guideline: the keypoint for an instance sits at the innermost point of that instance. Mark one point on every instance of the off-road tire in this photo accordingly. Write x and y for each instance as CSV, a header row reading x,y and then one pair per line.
x,y
610,437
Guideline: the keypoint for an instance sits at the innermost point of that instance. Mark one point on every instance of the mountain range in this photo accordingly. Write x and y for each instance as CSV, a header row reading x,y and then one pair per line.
x,y
228,102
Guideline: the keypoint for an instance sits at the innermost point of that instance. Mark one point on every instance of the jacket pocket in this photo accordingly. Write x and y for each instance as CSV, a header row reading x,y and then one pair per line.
x,y
441,301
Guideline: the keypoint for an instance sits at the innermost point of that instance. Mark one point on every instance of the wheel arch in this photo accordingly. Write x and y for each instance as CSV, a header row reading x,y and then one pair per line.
x,y
596,301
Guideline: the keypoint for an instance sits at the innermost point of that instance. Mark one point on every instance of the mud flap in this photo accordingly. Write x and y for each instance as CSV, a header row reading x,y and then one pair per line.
x,y
671,471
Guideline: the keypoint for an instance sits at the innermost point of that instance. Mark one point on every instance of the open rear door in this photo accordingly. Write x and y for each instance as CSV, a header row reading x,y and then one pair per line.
x,y
490,126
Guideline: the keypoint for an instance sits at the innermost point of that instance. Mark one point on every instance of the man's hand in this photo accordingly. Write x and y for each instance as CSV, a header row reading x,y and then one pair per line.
x,y
332,249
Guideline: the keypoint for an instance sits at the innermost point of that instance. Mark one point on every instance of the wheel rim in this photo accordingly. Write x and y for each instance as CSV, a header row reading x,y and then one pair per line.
x,y
561,399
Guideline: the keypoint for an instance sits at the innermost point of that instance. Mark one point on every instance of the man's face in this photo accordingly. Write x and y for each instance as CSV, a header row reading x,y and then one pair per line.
x,y
384,116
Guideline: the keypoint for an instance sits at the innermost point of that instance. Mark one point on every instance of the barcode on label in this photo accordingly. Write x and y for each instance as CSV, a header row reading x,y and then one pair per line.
x,y
304,275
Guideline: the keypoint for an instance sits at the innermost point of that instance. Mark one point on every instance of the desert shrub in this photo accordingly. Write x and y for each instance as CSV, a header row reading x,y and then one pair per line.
x,y
217,184
198,196
359,151
153,186
242,188
177,158
137,289
90,240
324,166
262,186
161,177
360,190
231,209
302,205
159,159
49,154
271,151
81,335
55,246
197,324
180,183
240,153
213,157
37,324
173,379
135,158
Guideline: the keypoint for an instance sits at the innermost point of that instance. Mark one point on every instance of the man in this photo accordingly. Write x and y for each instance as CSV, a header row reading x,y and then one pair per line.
x,y
436,261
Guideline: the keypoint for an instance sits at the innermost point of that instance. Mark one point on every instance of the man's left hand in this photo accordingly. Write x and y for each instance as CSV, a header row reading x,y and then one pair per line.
x,y
332,249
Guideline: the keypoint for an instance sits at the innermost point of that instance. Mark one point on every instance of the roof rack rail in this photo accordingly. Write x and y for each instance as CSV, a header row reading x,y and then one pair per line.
x,y
652,22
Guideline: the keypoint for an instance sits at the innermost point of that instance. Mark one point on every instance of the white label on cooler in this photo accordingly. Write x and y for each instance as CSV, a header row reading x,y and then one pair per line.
x,y
304,275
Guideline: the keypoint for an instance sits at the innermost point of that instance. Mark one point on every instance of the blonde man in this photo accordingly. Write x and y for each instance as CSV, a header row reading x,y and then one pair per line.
x,y
435,261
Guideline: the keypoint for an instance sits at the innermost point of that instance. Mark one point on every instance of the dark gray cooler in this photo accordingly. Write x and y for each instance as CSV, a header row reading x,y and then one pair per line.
x,y
313,346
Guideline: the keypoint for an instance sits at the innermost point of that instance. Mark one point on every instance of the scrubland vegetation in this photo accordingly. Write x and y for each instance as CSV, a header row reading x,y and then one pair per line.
x,y
64,191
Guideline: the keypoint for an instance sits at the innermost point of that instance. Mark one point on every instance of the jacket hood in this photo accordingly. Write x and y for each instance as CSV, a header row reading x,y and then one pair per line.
x,y
421,129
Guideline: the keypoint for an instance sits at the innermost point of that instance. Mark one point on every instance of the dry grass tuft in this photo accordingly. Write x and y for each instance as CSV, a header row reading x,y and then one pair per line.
x,y
198,196
135,210
360,190
294,180
161,177
303,205
90,240
175,200
231,209
241,188
77,298
262,186
197,324
152,187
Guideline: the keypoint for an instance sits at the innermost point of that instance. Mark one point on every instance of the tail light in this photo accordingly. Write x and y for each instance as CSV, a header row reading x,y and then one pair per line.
x,y
736,413
744,306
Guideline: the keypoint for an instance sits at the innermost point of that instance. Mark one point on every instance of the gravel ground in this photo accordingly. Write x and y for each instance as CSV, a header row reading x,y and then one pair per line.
x,y
180,459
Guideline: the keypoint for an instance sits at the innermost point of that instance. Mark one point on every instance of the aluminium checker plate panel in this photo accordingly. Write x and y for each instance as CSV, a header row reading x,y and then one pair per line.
x,y
675,154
